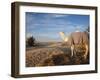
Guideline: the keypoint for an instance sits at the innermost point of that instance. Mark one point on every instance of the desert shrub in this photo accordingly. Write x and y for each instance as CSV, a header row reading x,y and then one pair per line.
x,y
60,59
56,57
46,62
31,41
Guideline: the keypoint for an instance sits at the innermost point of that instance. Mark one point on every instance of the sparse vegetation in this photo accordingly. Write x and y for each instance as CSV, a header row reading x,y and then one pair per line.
x,y
30,41
52,55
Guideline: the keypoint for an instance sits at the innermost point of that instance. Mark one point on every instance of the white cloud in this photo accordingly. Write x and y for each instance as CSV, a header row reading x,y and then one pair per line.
x,y
60,15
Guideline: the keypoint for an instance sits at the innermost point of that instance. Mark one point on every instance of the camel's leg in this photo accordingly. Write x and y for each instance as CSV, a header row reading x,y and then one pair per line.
x,y
72,51
86,53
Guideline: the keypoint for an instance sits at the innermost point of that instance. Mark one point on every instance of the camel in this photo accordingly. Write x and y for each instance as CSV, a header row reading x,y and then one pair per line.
x,y
64,38
73,52
79,44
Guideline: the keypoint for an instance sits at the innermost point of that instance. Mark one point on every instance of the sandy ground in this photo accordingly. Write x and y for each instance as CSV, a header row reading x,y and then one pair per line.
x,y
52,55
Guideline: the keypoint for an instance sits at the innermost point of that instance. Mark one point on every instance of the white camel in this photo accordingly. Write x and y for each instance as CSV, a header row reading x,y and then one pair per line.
x,y
63,36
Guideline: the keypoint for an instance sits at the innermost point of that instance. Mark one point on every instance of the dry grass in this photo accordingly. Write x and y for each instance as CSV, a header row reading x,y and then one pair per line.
x,y
52,56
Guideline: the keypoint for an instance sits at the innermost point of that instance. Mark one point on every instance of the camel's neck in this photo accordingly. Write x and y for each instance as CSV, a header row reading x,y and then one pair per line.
x,y
62,35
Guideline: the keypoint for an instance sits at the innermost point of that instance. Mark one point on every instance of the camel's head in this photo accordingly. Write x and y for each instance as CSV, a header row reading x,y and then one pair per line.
x,y
65,38
61,33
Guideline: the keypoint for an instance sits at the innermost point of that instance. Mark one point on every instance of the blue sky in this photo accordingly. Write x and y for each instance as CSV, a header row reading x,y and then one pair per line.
x,y
46,26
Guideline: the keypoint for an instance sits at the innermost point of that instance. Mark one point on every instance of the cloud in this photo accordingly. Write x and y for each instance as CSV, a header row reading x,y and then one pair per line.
x,y
60,15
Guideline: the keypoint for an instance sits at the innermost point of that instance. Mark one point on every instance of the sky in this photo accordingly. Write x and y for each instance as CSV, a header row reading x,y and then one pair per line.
x,y
45,27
